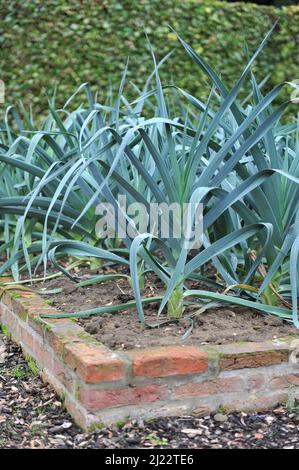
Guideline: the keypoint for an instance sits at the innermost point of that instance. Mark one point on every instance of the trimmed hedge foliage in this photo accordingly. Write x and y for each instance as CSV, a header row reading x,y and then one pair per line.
x,y
70,42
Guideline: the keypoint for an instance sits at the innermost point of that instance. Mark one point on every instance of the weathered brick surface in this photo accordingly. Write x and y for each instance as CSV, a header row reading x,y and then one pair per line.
x,y
168,360
10,321
94,363
210,387
37,324
23,305
26,337
257,382
37,310
95,400
6,299
43,356
62,374
284,381
58,333
252,355
20,301
258,359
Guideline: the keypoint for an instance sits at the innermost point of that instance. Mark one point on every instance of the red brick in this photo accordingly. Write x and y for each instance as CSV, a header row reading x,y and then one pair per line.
x,y
42,355
251,360
251,355
284,381
27,305
209,387
61,373
39,324
98,399
26,337
94,363
19,301
22,305
42,309
6,299
168,360
61,332
257,382
11,322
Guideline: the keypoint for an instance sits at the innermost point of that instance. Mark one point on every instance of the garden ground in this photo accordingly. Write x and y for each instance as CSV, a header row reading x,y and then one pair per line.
x,y
124,331
32,416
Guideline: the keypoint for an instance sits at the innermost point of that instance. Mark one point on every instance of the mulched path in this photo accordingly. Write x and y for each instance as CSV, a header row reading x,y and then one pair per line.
x,y
32,416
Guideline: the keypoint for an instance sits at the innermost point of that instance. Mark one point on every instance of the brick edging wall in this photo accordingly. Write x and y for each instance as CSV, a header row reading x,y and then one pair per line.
x,y
100,386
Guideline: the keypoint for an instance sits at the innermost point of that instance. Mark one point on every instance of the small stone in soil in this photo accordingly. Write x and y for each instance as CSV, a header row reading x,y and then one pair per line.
x,y
221,418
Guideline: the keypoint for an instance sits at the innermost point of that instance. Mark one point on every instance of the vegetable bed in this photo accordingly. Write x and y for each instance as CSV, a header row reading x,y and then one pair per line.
x,y
123,330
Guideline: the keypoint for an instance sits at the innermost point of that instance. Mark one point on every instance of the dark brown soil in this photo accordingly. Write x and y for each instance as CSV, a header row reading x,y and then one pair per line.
x,y
123,330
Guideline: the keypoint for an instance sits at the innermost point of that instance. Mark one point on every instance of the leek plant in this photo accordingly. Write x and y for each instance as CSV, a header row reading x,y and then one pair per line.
x,y
225,154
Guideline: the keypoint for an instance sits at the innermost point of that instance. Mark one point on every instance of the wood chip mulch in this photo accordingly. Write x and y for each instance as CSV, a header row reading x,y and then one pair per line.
x,y
32,416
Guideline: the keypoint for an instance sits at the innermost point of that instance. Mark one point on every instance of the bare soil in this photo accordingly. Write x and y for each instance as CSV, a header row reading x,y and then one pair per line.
x,y
123,330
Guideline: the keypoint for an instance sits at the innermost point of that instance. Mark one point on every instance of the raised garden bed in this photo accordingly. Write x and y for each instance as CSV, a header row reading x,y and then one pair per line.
x,y
100,385
33,417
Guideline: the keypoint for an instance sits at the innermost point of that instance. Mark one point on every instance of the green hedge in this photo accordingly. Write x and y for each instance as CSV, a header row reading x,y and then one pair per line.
x,y
74,41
